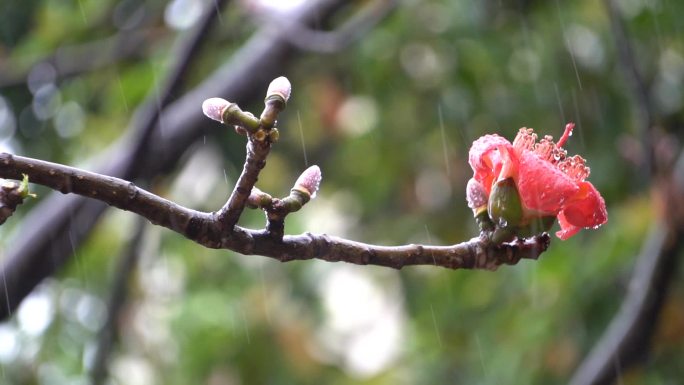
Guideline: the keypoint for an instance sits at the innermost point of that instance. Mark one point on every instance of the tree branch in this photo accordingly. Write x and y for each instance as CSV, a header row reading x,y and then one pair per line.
x,y
58,224
255,161
353,29
205,229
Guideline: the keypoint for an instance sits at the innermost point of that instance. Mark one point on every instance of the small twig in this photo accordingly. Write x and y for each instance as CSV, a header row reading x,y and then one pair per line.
x,y
258,146
257,151
205,229
117,298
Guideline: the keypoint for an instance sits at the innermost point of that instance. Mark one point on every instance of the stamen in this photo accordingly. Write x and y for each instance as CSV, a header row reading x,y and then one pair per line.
x,y
549,151
525,139
566,134
545,148
575,167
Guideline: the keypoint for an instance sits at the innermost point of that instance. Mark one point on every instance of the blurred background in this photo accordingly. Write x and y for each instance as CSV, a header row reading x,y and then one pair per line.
x,y
387,98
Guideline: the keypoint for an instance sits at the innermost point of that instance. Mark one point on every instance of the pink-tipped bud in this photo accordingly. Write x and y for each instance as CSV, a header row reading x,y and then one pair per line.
x,y
309,181
214,108
280,86
476,195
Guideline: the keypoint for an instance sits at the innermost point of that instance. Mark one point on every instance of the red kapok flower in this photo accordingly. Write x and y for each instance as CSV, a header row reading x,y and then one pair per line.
x,y
548,181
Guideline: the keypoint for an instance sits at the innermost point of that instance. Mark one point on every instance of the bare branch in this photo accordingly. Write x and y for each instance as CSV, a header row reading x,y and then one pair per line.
x,y
353,29
205,229
257,151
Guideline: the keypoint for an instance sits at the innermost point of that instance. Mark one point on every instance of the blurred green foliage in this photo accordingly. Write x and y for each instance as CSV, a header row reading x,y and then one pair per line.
x,y
389,120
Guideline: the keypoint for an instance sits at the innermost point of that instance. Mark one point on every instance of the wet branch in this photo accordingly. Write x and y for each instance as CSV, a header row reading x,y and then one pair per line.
x,y
353,29
60,223
205,228
257,151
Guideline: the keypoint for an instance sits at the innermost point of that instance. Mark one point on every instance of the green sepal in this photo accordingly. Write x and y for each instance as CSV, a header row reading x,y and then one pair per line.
x,y
536,226
483,221
503,234
505,208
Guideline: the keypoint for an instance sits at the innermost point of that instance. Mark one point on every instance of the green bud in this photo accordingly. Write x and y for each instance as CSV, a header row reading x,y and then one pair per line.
x,y
505,208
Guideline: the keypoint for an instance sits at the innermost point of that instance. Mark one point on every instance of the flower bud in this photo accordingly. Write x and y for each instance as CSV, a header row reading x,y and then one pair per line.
x,y
504,206
309,181
214,108
476,196
279,87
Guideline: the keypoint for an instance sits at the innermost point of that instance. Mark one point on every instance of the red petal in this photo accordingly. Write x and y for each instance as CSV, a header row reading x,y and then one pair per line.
x,y
542,186
567,230
485,159
587,208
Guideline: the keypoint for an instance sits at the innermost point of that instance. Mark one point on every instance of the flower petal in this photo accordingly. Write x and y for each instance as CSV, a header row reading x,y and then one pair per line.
x,y
567,229
587,208
485,159
542,186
